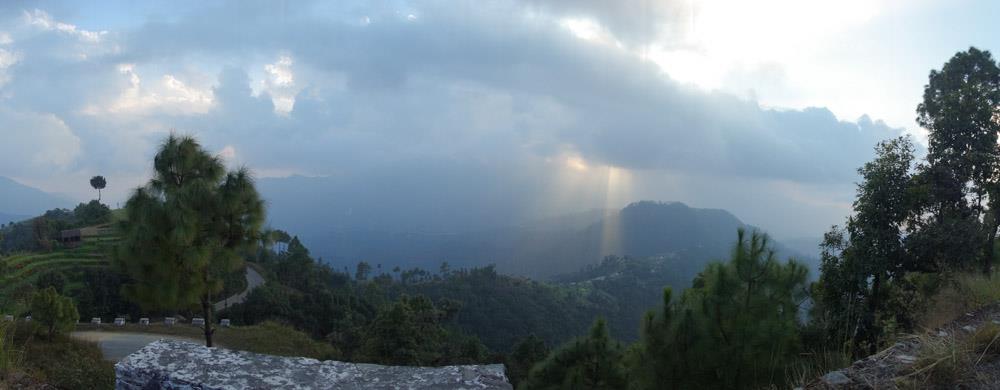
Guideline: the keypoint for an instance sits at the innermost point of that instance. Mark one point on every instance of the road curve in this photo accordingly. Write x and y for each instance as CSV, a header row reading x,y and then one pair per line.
x,y
117,345
254,280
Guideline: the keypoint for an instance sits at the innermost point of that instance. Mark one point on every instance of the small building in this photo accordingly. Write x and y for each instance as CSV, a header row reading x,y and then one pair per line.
x,y
73,237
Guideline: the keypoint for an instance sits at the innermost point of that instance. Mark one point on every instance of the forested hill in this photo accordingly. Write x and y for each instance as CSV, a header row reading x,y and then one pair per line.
x,y
544,248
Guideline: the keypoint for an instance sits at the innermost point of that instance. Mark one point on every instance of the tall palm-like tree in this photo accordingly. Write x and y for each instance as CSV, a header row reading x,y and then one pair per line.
x,y
185,230
98,183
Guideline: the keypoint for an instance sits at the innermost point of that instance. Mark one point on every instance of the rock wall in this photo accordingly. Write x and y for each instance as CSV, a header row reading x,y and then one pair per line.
x,y
168,364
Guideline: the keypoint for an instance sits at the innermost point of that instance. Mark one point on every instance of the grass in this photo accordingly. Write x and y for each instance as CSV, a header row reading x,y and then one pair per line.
x,y
270,338
61,362
10,356
946,362
25,268
964,293
813,365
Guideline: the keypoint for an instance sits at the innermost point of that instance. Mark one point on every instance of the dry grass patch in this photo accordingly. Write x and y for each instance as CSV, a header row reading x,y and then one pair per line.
x,y
945,362
964,292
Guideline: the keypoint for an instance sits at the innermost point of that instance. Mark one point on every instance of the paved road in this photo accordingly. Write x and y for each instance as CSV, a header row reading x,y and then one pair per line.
x,y
117,345
254,280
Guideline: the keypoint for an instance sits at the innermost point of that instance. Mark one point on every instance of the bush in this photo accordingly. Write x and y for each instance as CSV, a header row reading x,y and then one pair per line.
x,y
10,357
55,312
69,364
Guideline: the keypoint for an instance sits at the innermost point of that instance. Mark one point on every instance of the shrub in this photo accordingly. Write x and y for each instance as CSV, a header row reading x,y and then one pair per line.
x,y
56,313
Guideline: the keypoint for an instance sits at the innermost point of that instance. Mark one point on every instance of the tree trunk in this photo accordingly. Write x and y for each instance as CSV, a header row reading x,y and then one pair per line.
x,y
872,310
206,309
98,195
990,241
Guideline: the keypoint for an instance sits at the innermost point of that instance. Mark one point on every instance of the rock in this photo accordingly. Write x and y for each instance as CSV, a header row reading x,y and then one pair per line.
x,y
835,378
942,333
969,328
907,359
170,364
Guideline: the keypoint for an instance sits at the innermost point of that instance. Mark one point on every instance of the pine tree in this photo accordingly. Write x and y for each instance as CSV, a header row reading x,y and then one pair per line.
x,y
592,362
55,312
735,328
186,228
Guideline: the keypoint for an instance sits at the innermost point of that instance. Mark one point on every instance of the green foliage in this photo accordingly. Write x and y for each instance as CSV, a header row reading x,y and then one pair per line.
x,y
56,313
10,356
361,274
54,279
860,266
66,363
959,110
592,362
526,353
40,233
92,213
735,328
410,332
185,230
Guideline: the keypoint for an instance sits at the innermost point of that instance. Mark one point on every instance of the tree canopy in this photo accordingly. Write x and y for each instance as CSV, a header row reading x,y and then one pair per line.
x,y
186,228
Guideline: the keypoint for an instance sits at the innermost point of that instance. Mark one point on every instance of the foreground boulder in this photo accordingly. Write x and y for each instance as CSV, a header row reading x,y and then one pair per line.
x,y
169,364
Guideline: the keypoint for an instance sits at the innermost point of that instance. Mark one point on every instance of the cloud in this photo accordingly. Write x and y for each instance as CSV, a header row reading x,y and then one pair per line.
x,y
36,143
44,21
502,86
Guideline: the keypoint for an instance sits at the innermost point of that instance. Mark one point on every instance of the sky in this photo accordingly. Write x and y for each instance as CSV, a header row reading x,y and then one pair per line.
x,y
763,108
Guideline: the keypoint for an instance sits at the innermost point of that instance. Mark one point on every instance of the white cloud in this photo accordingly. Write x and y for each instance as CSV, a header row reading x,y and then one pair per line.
x,y
7,59
279,83
36,144
168,94
45,21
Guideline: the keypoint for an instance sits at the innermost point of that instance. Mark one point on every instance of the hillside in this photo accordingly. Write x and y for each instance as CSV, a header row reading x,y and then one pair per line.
x,y
18,200
546,247
25,269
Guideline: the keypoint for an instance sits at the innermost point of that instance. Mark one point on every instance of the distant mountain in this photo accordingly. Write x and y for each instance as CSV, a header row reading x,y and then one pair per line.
x,y
17,199
541,248
8,218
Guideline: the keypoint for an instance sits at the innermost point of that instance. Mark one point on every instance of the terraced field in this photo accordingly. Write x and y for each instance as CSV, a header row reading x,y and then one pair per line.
x,y
26,268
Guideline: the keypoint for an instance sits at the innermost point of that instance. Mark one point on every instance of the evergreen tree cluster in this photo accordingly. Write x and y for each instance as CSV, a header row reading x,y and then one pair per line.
x,y
736,327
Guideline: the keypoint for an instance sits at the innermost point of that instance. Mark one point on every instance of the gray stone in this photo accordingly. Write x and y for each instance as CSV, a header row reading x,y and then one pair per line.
x,y
835,378
907,359
169,364
969,328
942,333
